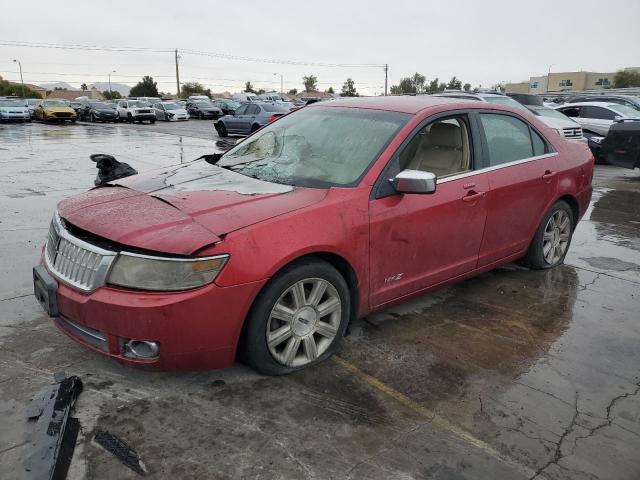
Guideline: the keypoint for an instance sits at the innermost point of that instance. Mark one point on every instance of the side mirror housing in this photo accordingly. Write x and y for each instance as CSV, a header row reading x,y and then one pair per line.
x,y
414,181
617,118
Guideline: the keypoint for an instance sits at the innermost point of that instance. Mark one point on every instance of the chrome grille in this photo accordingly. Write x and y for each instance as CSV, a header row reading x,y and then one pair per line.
x,y
572,132
74,261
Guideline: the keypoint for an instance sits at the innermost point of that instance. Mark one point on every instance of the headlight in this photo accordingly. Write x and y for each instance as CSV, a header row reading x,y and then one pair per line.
x,y
597,140
168,274
560,131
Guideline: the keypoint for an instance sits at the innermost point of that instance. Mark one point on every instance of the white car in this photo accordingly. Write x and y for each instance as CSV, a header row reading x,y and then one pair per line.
x,y
135,111
245,97
597,117
14,109
198,97
562,124
170,111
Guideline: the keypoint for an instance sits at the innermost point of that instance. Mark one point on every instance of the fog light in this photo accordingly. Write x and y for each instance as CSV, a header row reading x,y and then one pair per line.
x,y
141,349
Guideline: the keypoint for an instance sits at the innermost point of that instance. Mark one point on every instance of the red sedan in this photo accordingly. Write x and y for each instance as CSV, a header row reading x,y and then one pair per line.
x,y
332,212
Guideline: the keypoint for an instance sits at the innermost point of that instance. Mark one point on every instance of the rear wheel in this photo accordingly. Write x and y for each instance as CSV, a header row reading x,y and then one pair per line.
x,y
552,239
298,319
254,127
93,118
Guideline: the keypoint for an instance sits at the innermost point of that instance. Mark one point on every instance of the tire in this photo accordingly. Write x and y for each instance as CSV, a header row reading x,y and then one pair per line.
x,y
129,118
93,118
222,130
552,230
201,116
309,338
254,127
152,122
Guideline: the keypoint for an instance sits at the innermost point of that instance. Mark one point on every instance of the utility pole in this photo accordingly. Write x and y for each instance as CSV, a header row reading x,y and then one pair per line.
x,y
386,77
177,75
110,92
281,82
549,75
21,81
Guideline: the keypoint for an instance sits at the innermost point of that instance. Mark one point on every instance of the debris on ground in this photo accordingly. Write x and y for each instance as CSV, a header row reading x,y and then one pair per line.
x,y
55,432
121,450
110,169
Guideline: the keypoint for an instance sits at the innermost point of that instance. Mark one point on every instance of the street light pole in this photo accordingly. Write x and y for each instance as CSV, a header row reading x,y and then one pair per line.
x,y
281,82
110,92
549,75
21,80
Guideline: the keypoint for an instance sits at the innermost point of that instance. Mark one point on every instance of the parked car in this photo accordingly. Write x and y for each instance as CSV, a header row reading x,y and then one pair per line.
x,y
621,146
14,109
628,100
562,124
55,111
228,107
249,117
496,98
135,111
98,112
31,105
272,97
597,117
269,250
527,99
203,109
198,97
559,124
150,100
245,97
169,111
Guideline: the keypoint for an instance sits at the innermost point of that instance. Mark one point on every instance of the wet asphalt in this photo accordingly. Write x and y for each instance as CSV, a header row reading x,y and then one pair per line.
x,y
515,374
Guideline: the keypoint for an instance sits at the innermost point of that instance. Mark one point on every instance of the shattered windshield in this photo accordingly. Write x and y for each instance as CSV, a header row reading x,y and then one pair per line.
x,y
316,147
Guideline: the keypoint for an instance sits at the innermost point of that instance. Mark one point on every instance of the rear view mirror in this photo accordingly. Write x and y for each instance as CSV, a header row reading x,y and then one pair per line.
x,y
617,118
414,181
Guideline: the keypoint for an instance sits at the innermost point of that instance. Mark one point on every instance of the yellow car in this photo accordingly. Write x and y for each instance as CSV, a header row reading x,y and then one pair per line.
x,y
54,110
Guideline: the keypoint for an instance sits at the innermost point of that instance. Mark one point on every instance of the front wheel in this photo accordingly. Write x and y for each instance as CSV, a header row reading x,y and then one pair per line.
x,y
297,320
222,130
552,239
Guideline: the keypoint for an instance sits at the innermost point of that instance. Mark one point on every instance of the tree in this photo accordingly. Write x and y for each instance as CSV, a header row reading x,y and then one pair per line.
x,y
626,78
433,86
310,83
412,84
84,87
467,87
331,90
145,88
261,91
442,87
349,89
15,89
111,95
194,88
248,87
293,91
454,84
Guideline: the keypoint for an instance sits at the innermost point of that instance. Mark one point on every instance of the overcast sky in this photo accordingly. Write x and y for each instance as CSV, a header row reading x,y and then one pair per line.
x,y
481,42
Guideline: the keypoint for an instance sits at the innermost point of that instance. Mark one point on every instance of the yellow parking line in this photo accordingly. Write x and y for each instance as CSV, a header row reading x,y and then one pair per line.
x,y
433,416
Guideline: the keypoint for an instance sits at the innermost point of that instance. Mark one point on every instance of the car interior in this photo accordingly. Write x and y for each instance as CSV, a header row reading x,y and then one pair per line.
x,y
442,148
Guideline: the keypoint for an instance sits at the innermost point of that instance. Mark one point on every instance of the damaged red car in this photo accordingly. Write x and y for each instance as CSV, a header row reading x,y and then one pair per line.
x,y
341,208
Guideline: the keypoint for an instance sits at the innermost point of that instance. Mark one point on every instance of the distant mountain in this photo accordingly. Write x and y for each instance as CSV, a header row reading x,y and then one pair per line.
x,y
116,87
52,86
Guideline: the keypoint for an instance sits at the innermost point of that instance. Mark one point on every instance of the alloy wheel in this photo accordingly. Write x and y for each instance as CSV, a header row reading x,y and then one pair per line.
x,y
555,239
304,322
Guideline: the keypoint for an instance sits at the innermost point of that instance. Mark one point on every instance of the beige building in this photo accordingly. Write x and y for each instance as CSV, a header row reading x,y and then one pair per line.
x,y
565,81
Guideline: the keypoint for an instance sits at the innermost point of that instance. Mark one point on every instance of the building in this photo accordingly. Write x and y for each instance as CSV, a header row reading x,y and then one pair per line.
x,y
565,81
92,94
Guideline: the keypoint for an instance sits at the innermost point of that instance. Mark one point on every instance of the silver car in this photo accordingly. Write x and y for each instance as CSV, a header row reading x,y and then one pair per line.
x,y
14,109
170,111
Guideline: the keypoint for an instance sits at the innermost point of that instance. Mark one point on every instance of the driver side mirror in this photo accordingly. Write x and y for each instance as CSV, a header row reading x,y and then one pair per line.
x,y
414,181
617,118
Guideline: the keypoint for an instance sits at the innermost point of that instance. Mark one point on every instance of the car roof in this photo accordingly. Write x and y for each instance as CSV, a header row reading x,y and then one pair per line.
x,y
411,104
592,104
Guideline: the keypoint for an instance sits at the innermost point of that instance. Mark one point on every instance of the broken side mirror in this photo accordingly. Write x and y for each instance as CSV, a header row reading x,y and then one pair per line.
x,y
414,181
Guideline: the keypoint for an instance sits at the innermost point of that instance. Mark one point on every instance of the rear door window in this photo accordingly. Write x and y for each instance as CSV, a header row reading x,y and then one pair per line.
x,y
242,110
600,113
508,139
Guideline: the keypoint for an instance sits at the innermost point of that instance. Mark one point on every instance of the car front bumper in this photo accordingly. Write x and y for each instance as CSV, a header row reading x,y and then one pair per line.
x,y
15,116
144,116
195,330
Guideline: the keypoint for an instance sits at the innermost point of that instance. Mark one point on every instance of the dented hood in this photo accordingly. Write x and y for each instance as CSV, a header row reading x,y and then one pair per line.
x,y
182,209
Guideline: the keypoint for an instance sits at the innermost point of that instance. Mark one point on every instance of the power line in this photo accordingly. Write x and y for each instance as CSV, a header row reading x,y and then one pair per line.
x,y
225,56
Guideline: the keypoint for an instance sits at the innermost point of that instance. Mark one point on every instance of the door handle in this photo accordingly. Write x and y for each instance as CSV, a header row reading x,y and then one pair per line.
x,y
473,196
548,175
